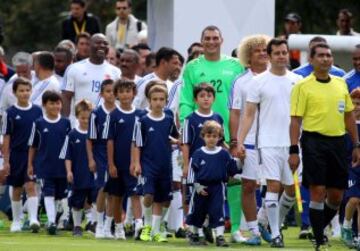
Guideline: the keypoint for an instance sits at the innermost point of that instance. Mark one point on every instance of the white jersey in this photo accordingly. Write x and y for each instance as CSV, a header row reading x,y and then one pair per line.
x,y
7,97
174,96
272,93
84,79
237,101
140,101
59,78
49,84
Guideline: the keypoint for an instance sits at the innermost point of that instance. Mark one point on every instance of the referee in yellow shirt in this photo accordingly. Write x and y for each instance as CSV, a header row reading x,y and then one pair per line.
x,y
322,106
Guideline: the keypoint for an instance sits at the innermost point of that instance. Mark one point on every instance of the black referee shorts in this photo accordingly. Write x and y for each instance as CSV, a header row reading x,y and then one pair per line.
x,y
324,160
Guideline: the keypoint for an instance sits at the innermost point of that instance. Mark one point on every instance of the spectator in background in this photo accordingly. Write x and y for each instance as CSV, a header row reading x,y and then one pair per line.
x,y
6,71
79,21
150,63
22,61
143,50
111,56
344,23
123,31
195,50
63,58
82,46
129,64
292,25
69,45
352,78
306,69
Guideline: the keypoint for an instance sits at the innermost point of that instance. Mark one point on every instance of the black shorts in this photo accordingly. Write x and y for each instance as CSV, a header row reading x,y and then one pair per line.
x,y
324,161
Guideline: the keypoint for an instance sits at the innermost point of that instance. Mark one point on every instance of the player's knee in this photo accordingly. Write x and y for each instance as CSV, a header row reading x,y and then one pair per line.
x,y
148,200
248,187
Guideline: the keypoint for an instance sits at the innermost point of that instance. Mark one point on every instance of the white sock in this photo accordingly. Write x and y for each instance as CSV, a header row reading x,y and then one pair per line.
x,y
164,214
49,202
138,224
16,208
148,216
253,227
335,223
33,205
220,231
285,204
77,215
347,224
88,215
100,219
66,210
243,223
200,231
156,220
93,213
176,214
262,216
108,221
129,214
272,210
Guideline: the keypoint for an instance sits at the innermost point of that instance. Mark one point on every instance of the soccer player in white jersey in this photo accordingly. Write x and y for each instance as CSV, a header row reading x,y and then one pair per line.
x,y
167,61
252,54
44,65
269,94
84,78
22,61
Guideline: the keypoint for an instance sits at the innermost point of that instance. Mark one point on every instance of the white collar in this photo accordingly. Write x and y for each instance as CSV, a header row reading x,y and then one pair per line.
x,y
215,151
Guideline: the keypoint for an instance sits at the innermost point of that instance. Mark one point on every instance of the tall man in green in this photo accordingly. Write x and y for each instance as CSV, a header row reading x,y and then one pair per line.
x,y
214,68
220,71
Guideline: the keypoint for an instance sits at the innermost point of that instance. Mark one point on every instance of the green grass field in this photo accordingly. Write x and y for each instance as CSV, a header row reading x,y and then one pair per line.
x,y
65,242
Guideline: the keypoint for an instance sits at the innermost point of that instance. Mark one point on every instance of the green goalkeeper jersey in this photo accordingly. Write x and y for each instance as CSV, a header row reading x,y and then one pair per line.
x,y
220,74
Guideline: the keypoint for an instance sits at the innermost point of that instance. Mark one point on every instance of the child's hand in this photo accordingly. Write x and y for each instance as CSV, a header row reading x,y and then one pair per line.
x,y
137,170
6,168
241,152
200,189
30,171
70,177
113,171
185,171
92,165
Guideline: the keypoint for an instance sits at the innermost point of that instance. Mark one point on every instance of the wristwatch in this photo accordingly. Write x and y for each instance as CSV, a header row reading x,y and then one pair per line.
x,y
356,145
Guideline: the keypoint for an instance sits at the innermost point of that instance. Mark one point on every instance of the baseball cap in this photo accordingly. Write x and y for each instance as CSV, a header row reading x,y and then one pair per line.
x,y
293,17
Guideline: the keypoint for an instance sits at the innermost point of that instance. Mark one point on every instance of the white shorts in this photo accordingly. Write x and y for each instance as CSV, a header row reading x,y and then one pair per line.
x,y
251,169
275,164
176,159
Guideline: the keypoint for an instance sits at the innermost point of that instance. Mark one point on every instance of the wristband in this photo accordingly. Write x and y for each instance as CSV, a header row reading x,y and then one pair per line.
x,y
356,145
294,149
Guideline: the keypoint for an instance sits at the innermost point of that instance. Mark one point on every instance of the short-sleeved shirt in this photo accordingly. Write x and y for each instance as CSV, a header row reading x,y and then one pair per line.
x,y
84,80
49,84
174,96
152,135
272,94
17,122
352,79
321,105
48,136
237,101
119,128
211,166
306,69
192,127
74,149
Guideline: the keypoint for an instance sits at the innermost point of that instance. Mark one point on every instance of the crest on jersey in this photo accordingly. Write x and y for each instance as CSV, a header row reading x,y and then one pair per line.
x,y
341,106
17,117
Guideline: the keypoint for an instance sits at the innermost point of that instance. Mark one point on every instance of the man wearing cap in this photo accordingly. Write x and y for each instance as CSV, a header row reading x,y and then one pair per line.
x,y
292,25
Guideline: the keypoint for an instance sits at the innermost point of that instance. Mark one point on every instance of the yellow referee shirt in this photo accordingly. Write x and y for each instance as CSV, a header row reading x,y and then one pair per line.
x,y
321,105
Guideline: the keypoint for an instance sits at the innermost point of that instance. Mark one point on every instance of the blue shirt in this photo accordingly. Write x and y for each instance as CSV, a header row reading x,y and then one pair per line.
x,y
17,123
152,136
119,128
192,128
96,127
352,79
74,149
306,69
48,136
211,167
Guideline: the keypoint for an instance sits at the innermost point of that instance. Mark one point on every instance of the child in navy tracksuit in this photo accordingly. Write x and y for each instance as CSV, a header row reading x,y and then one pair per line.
x,y
212,165
77,166
46,140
